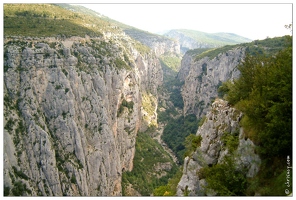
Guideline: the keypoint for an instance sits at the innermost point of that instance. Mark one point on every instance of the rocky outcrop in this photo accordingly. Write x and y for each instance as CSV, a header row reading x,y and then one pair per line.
x,y
221,120
204,76
72,110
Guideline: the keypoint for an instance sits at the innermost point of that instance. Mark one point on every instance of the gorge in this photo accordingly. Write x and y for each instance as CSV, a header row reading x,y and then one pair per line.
x,y
88,110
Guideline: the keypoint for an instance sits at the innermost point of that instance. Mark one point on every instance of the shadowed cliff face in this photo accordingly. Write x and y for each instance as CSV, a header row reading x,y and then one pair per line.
x,y
203,78
72,111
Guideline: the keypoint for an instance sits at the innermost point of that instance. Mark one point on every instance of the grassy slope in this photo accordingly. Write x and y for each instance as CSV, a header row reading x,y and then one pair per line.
x,y
47,20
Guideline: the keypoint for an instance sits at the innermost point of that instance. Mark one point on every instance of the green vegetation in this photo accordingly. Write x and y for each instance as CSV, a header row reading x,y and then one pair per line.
x,y
202,121
177,127
9,125
141,47
6,191
149,103
73,179
171,85
19,189
120,64
195,52
231,141
171,61
268,47
176,131
144,176
65,72
175,95
169,189
191,143
20,174
225,178
264,94
212,53
125,104
57,87
45,20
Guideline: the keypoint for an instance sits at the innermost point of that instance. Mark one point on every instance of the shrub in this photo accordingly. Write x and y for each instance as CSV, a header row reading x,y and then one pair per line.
x,y
128,105
65,72
191,143
202,120
73,179
20,173
226,179
67,90
120,64
6,191
231,141
19,189
57,87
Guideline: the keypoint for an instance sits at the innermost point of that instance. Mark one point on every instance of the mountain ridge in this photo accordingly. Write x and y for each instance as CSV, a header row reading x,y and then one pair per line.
x,y
192,39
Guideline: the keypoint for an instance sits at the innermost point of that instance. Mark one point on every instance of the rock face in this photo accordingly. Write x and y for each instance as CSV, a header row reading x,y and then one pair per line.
x,y
204,76
221,120
72,110
186,63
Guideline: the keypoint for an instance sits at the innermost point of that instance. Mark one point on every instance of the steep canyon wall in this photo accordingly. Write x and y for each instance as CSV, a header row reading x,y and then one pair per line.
x,y
72,110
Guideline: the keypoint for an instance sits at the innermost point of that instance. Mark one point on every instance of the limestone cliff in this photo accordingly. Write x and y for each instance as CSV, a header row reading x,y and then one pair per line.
x,y
204,76
72,110
221,120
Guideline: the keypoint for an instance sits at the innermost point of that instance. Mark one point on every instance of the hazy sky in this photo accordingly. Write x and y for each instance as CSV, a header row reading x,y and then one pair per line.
x,y
254,21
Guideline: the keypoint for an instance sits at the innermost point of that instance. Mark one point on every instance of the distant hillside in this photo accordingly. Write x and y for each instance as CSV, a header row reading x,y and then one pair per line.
x,y
47,20
51,20
191,39
158,43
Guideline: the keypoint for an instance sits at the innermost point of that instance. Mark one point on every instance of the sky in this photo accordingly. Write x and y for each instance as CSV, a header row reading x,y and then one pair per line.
x,y
253,21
